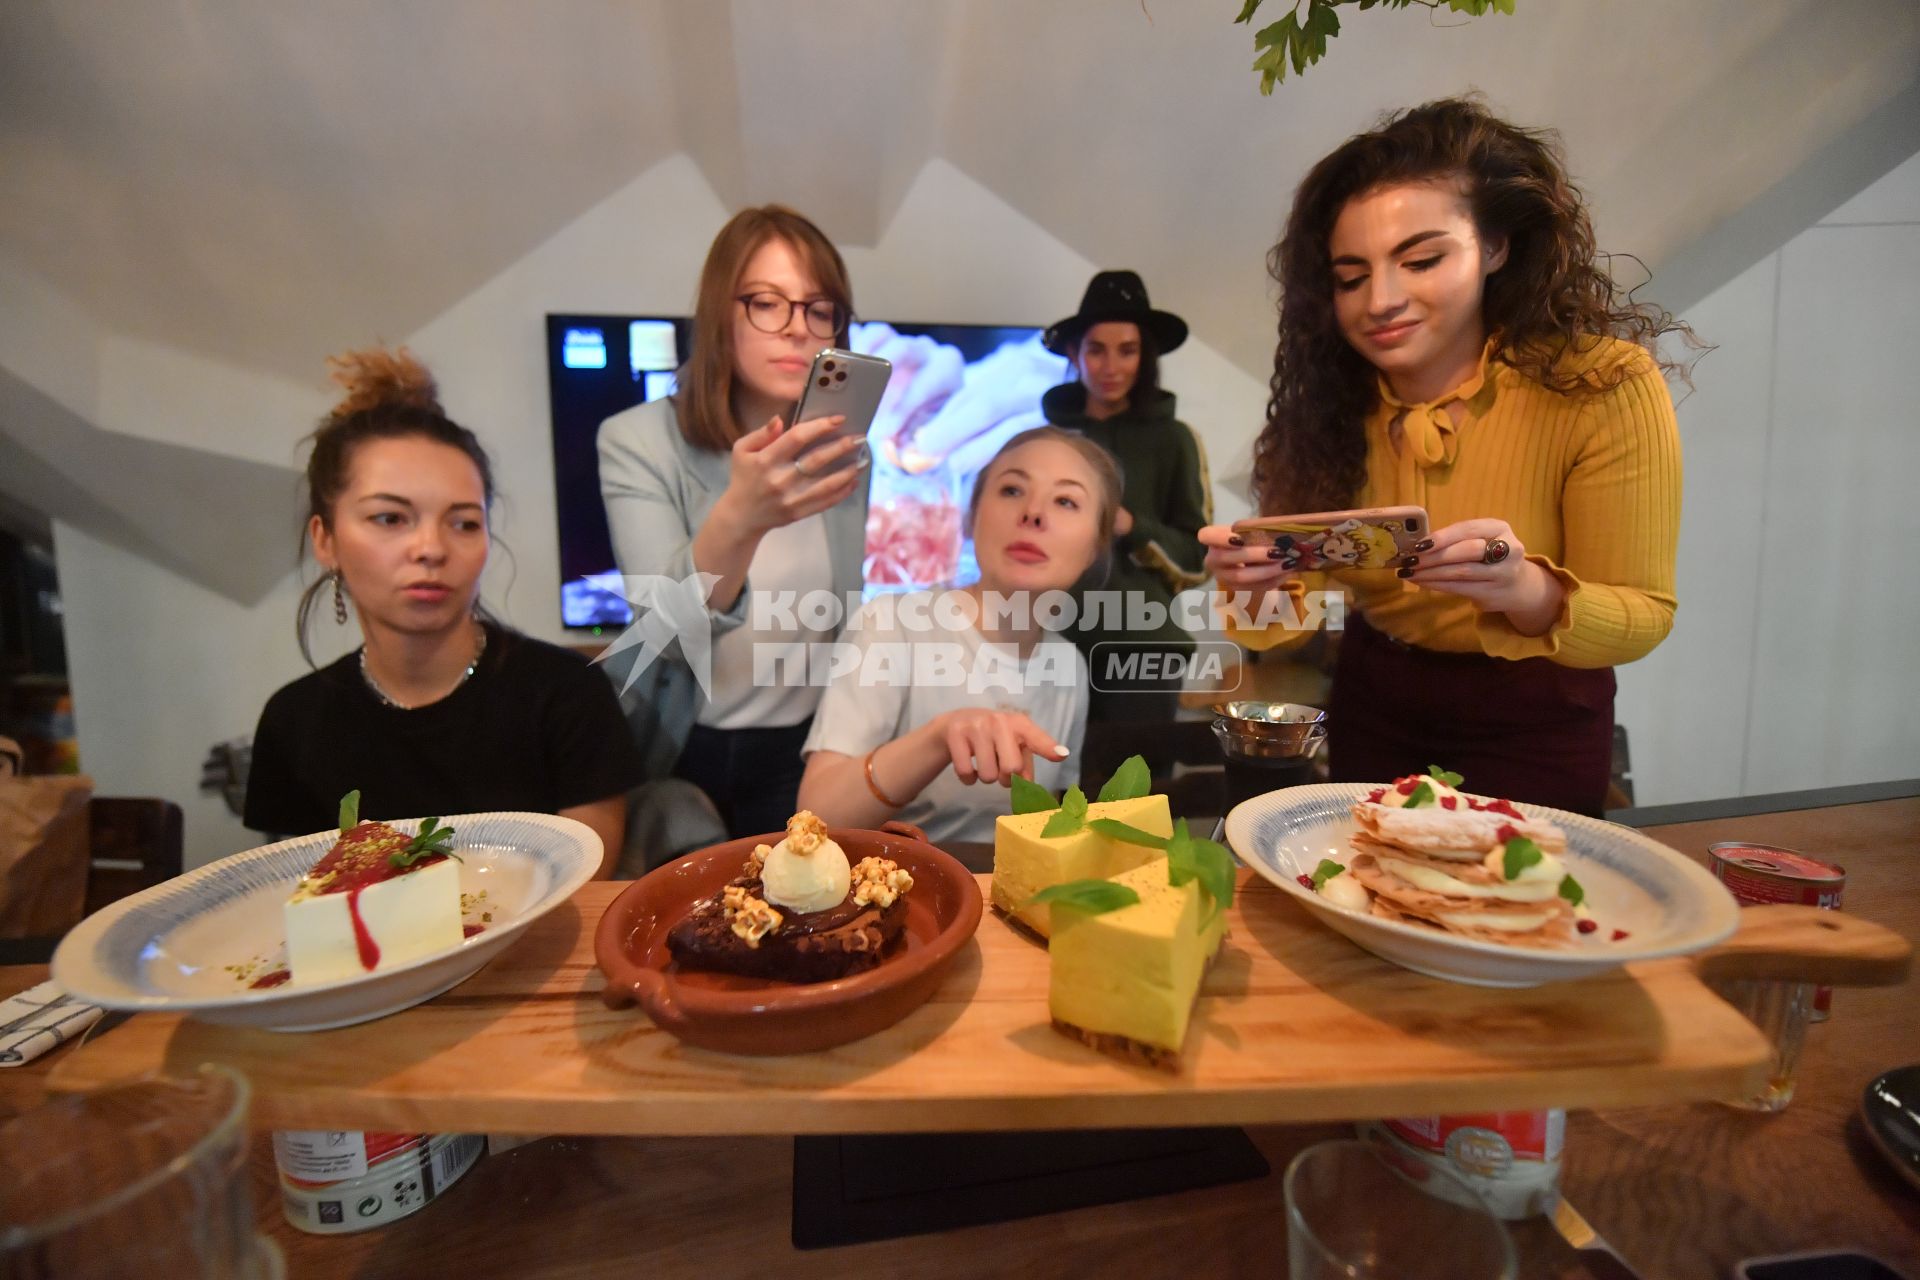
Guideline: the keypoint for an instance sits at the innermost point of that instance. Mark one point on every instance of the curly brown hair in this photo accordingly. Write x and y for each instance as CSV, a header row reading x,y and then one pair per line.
x,y
1551,297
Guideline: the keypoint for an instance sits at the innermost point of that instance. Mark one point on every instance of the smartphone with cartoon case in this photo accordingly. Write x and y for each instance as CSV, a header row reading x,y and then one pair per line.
x,y
1361,538
847,383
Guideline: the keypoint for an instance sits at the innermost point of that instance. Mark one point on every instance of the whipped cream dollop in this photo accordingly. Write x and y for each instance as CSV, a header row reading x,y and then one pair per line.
x,y
1344,891
807,871
1397,799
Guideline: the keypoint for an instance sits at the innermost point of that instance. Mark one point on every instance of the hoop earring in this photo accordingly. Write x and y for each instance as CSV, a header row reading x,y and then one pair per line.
x,y
339,601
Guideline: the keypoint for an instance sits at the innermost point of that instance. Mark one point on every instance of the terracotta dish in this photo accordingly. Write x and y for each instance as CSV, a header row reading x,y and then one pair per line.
x,y
756,1016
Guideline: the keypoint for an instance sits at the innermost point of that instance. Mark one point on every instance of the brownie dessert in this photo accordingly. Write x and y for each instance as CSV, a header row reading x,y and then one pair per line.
x,y
741,930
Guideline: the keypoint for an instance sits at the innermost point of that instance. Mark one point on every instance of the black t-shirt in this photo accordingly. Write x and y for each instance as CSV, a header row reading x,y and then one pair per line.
x,y
536,729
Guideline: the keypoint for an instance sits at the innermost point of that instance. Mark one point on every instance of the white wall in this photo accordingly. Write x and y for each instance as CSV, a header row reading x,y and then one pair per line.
x,y
162,669
1792,661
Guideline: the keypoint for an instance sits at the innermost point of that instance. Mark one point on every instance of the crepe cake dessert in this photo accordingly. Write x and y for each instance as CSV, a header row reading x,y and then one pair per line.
x,y
797,912
377,899
1046,842
1431,854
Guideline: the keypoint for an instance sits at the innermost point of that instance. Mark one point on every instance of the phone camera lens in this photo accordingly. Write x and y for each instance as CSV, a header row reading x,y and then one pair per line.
x,y
1413,525
827,365
840,377
826,381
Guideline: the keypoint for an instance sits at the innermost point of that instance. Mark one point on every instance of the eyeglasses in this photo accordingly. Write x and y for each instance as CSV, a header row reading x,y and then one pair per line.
x,y
773,312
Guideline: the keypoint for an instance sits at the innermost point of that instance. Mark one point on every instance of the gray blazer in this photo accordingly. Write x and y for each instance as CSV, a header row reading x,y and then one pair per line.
x,y
658,490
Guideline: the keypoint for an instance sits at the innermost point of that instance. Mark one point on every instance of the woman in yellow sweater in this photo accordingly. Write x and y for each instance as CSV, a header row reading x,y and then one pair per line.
x,y
1447,340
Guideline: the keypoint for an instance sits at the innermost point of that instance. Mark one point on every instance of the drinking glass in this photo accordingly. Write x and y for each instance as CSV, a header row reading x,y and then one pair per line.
x,y
142,1179
1356,1211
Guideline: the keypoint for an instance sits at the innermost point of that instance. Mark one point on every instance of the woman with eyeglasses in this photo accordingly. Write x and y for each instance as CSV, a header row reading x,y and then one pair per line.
x,y
715,481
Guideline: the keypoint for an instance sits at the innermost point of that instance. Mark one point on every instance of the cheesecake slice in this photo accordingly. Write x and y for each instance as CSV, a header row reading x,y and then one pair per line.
x,y
1025,862
1125,981
378,899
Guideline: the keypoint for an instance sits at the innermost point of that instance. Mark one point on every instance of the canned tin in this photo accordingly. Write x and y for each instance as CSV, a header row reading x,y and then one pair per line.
x,y
1765,873
342,1181
1511,1158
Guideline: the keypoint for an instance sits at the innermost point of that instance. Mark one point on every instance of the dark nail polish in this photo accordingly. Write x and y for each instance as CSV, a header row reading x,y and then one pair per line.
x,y
1410,562
1236,541
1425,544
1273,553
1403,573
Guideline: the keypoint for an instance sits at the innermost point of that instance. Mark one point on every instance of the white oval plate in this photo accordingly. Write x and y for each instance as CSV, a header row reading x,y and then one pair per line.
x,y
1669,904
175,948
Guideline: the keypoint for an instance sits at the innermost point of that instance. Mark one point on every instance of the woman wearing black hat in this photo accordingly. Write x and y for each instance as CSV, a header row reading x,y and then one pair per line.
x,y
1115,342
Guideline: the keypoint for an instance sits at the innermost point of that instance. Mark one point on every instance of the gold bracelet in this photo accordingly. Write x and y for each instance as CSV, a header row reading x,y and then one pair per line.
x,y
873,784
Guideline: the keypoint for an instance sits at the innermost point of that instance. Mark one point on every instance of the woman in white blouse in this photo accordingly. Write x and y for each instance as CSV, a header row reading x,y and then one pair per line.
x,y
711,481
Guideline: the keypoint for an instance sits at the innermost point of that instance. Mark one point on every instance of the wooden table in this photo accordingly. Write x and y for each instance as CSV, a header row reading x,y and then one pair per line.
x,y
1681,1191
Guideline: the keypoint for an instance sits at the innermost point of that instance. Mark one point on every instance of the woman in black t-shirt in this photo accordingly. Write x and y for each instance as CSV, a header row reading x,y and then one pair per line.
x,y
441,710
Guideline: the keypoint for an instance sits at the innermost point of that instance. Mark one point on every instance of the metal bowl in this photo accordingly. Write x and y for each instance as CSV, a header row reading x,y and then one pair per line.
x,y
1269,730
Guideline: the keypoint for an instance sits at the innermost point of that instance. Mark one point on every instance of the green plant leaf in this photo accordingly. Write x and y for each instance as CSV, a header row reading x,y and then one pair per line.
x,y
1521,853
1195,858
1423,795
1326,871
433,838
349,811
1246,11
1031,797
1447,776
1129,782
1114,829
1095,897
1071,817
1570,890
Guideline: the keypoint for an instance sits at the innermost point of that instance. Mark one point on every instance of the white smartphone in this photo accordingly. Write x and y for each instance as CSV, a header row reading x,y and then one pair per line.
x,y
846,383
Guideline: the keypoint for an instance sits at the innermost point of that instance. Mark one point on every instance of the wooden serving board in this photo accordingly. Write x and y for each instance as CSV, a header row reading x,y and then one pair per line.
x,y
1295,1024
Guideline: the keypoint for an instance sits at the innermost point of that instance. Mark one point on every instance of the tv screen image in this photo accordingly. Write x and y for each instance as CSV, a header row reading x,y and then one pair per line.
x,y
958,392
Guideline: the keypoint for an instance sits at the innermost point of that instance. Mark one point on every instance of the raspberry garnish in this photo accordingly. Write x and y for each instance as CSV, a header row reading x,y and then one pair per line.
x,y
1619,934
1376,795
1506,832
1306,881
1406,786
1501,806
1449,802
1587,926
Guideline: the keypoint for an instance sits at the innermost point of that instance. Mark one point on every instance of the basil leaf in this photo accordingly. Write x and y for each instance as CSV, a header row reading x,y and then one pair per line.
x,y
1114,829
1521,853
1326,871
1422,796
433,839
1071,817
1447,776
349,811
1570,890
1129,782
1094,897
1210,863
1031,797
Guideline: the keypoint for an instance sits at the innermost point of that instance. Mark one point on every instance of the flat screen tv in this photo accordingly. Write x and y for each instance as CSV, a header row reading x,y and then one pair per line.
x,y
958,392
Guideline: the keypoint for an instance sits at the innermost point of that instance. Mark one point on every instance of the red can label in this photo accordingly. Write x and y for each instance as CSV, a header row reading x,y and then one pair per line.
x,y
1762,873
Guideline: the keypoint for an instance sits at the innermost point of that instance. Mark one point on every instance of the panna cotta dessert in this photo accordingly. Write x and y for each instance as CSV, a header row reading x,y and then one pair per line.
x,y
377,899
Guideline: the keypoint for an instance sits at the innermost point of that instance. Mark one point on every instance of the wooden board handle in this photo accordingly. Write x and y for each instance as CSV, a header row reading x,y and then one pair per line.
x,y
1790,943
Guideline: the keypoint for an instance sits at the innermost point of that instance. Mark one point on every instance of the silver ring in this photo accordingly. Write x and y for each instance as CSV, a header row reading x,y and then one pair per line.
x,y
1497,550
803,472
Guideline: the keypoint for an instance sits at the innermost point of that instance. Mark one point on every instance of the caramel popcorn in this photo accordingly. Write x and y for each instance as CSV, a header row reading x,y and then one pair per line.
x,y
805,832
757,860
750,918
879,882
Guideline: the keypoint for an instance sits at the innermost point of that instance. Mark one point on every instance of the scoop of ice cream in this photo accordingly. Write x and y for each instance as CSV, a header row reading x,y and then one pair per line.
x,y
807,871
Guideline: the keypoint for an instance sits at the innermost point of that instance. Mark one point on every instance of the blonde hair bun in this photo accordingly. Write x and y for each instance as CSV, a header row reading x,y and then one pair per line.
x,y
379,377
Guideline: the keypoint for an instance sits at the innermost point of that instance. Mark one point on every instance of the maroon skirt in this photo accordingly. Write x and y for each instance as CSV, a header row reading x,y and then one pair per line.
x,y
1530,730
